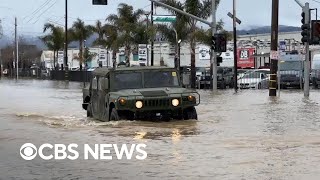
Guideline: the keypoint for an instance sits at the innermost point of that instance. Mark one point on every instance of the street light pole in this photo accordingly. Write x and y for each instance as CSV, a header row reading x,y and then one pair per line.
x,y
147,37
213,58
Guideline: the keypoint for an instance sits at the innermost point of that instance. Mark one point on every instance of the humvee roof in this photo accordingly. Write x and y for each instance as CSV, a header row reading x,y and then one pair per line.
x,y
104,70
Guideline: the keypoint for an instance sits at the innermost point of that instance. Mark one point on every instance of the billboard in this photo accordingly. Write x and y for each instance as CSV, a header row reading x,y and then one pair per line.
x,y
204,53
142,53
246,57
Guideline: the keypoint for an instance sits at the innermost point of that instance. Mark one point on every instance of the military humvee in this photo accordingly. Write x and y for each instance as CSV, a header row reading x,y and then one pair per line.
x,y
130,93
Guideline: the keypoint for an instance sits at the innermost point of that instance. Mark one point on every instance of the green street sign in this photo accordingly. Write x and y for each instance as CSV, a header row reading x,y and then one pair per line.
x,y
157,18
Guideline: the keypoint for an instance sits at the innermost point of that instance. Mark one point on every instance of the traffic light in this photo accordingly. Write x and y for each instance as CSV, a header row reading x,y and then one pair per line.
x,y
220,43
100,2
219,60
303,17
213,43
315,32
305,33
305,28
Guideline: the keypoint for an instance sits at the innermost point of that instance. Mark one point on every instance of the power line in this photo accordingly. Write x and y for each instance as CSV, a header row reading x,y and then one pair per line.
x,y
38,18
37,10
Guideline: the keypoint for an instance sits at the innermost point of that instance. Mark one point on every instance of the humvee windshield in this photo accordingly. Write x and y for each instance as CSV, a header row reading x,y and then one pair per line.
x,y
155,79
152,79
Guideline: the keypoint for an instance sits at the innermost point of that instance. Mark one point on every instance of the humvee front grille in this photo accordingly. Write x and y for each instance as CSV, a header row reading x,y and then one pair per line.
x,y
156,103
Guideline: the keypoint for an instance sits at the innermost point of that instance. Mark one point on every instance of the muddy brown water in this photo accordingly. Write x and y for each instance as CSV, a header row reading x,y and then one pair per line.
x,y
238,136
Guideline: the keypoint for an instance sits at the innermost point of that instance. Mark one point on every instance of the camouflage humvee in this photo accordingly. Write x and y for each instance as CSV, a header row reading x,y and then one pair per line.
x,y
139,93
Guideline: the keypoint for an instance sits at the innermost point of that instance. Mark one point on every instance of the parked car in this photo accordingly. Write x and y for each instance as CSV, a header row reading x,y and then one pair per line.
x,y
254,80
315,71
224,77
291,71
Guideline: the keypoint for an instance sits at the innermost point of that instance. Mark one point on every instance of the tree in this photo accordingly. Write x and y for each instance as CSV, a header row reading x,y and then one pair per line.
x,y
54,40
126,23
198,8
88,56
100,30
204,36
80,32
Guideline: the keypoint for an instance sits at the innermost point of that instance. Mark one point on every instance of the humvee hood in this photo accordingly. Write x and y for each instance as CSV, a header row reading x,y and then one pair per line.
x,y
152,92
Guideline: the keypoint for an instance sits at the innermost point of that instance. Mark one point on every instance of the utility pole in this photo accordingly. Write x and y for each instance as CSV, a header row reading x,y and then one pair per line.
x,y
306,88
17,47
274,48
152,39
213,58
66,41
235,52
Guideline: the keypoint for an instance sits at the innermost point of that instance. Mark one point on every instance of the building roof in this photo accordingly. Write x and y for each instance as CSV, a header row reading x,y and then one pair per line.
x,y
105,70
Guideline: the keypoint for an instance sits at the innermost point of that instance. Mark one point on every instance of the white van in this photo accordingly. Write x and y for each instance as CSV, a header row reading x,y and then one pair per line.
x,y
315,70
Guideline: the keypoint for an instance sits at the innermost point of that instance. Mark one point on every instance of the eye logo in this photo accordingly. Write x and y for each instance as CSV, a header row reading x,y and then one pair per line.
x,y
28,151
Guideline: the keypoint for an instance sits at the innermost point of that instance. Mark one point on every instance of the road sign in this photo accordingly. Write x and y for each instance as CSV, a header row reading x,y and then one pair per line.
x,y
274,55
142,53
164,18
231,16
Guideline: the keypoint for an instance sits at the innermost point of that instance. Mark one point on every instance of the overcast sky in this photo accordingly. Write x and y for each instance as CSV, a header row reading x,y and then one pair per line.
x,y
32,14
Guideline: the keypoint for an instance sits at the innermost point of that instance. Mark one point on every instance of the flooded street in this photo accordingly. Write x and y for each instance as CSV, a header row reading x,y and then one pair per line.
x,y
238,136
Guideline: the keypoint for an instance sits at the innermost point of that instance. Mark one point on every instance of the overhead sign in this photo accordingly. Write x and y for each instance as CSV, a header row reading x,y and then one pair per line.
x,y
164,18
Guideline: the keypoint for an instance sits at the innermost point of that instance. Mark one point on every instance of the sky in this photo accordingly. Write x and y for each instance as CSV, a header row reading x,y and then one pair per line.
x,y
33,14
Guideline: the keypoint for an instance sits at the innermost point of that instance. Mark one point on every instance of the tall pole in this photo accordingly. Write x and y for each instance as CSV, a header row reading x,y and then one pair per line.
x,y
148,39
66,41
152,39
235,52
274,48
306,88
17,48
213,62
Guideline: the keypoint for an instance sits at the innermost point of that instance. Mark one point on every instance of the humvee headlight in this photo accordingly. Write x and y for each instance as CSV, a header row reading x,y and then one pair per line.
x,y
191,98
175,102
122,101
139,104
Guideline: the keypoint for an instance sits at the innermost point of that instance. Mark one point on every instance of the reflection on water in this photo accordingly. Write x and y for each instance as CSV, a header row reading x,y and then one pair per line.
x,y
238,136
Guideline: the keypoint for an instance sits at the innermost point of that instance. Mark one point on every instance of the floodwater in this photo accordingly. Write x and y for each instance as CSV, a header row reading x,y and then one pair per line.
x,y
238,136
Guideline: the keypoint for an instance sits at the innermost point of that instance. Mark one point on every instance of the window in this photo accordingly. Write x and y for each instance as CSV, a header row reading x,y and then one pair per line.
x,y
155,79
101,79
131,80
95,83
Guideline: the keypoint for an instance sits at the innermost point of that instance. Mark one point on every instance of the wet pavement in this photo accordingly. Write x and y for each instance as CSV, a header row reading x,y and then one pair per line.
x,y
238,136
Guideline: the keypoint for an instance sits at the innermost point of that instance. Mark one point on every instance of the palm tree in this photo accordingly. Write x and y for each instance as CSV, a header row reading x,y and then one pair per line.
x,y
80,32
100,30
204,36
55,40
198,8
112,41
126,22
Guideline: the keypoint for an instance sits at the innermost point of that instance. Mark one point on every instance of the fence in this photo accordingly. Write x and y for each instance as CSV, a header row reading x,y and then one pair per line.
x,y
78,76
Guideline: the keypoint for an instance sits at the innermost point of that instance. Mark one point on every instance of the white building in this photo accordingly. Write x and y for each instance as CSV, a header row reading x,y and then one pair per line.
x,y
100,55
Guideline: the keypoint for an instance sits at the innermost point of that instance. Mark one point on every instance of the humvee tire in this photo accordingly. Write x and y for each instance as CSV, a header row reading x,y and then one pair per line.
x,y
114,116
190,113
89,112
